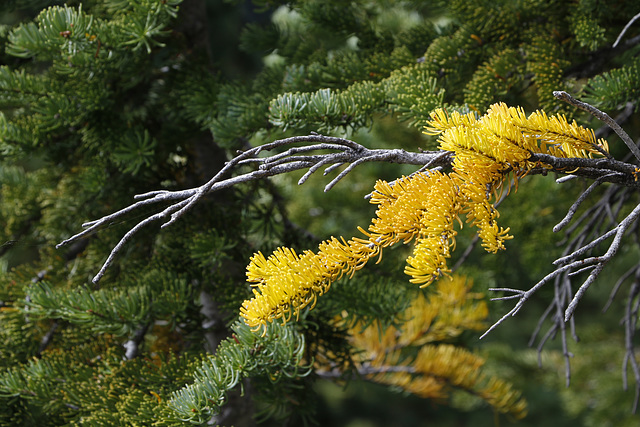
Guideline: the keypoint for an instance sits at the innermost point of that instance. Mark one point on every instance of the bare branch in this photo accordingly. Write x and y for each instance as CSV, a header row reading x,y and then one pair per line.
x,y
577,203
130,234
624,30
584,249
132,346
566,178
342,151
317,166
592,168
630,320
523,296
618,284
566,267
613,249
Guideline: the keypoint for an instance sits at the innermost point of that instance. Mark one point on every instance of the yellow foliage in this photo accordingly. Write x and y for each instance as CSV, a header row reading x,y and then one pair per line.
x,y
488,152
286,282
436,369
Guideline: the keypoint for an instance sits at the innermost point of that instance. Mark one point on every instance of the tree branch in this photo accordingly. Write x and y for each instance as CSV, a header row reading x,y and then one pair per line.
x,y
624,30
630,324
596,224
343,150
597,263
132,346
314,157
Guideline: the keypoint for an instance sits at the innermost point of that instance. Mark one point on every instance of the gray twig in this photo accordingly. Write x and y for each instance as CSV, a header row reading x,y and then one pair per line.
x,y
624,30
618,284
132,346
597,262
578,202
613,249
630,321
343,151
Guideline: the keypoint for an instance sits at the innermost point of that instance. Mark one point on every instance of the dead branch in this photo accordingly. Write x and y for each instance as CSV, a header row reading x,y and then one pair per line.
x,y
342,152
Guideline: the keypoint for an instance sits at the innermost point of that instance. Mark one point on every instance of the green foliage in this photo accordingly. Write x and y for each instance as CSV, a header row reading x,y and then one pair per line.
x,y
241,111
382,299
546,62
117,312
615,88
495,79
20,338
586,25
135,151
413,94
408,91
90,384
277,354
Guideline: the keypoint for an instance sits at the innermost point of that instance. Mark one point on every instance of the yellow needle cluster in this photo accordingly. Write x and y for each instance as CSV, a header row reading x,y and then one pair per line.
x,y
487,151
424,206
414,356
286,282
448,311
491,148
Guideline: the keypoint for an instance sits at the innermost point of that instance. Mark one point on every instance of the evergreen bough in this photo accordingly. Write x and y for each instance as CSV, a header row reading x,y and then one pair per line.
x,y
110,98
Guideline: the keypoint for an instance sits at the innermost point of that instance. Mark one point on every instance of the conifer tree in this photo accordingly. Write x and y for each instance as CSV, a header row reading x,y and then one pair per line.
x,y
118,117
